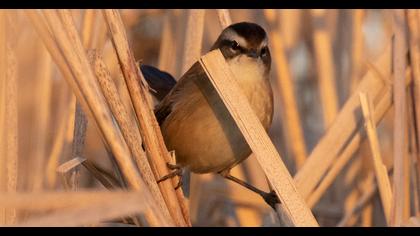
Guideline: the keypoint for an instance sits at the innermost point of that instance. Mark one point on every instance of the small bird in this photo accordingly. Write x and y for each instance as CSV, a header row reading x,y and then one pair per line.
x,y
201,131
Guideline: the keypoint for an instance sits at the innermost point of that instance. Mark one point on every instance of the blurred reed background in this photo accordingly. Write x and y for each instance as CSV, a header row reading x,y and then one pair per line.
x,y
73,121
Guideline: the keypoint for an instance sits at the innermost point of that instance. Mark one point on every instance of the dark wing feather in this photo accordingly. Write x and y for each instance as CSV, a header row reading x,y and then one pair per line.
x,y
160,81
161,84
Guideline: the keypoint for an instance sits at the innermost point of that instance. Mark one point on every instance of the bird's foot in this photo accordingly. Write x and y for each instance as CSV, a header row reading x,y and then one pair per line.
x,y
271,199
177,171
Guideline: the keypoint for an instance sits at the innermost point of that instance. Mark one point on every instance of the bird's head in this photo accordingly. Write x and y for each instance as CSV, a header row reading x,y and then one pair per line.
x,y
244,40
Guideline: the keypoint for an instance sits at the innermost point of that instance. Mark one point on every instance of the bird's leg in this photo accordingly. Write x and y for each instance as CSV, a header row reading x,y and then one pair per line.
x,y
178,171
270,198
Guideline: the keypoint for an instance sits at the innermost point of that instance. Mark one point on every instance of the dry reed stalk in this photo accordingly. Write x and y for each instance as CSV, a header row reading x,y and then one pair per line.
x,y
413,149
193,38
292,121
380,169
128,130
42,119
399,65
224,18
88,26
415,180
356,60
88,93
224,83
45,34
73,35
11,122
78,208
346,129
383,105
3,70
149,128
357,46
407,167
167,50
325,67
414,46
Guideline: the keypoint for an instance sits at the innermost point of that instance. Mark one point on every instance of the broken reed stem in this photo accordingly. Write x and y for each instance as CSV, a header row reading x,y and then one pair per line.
x,y
66,170
399,64
87,93
149,128
325,67
193,38
357,47
285,84
380,169
224,18
11,122
414,47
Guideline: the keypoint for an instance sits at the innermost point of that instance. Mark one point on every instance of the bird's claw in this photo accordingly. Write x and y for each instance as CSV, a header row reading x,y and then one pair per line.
x,y
178,171
271,199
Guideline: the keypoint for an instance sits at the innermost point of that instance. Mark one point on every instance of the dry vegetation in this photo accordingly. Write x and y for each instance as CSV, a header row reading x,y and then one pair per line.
x,y
79,143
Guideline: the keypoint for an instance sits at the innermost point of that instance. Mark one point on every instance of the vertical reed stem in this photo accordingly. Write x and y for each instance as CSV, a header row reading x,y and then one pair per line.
x,y
399,64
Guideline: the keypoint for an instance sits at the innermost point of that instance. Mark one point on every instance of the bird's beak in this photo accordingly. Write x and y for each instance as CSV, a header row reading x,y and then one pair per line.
x,y
252,53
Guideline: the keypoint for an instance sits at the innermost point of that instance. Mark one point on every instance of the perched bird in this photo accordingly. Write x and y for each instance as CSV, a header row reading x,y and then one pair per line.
x,y
200,130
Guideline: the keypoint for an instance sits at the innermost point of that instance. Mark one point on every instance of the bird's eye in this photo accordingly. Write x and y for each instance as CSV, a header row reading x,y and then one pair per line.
x,y
234,45
263,52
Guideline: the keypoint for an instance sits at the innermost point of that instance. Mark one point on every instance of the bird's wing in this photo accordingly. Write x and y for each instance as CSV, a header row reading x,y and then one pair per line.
x,y
170,90
161,82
